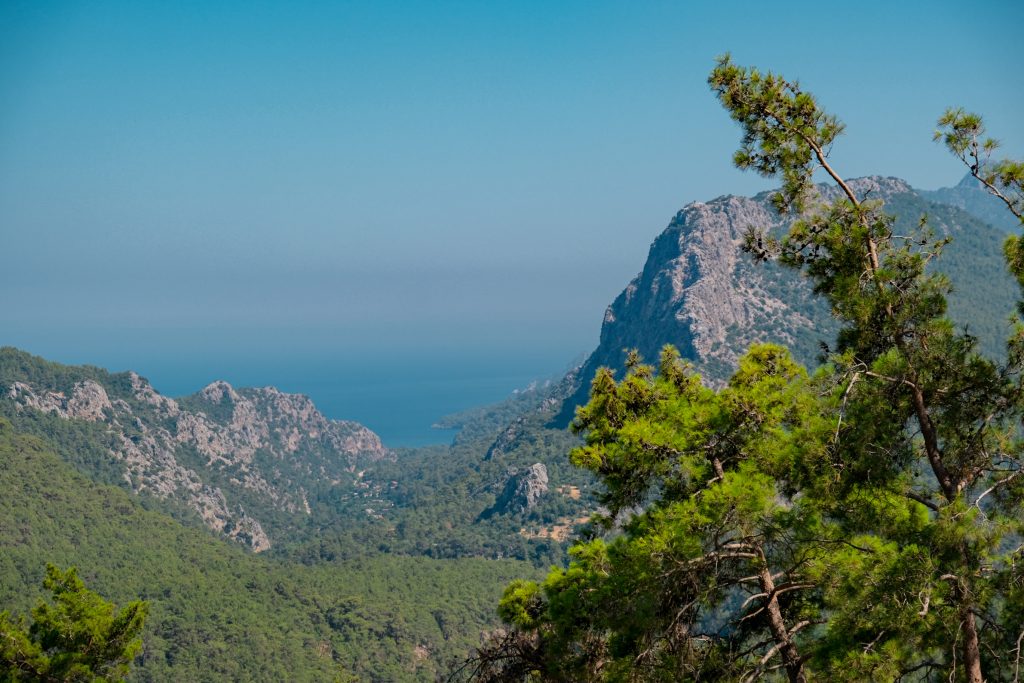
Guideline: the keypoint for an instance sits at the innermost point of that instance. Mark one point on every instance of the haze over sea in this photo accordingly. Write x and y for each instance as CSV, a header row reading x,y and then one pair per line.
x,y
398,398
407,209
397,395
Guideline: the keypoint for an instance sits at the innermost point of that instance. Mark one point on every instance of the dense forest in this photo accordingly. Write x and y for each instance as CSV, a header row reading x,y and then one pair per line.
x,y
219,612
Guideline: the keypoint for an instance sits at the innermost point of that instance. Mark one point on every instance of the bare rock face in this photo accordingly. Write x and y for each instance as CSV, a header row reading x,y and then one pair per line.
x,y
522,491
258,446
88,400
701,293
240,423
145,393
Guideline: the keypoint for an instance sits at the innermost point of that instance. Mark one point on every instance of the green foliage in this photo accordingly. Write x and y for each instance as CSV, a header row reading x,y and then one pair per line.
x,y
217,612
17,365
427,502
521,604
903,365
690,587
783,128
863,524
430,499
79,637
963,133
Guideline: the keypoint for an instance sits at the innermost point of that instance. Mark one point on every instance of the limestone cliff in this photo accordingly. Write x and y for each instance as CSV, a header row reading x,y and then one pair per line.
x,y
700,292
521,492
232,456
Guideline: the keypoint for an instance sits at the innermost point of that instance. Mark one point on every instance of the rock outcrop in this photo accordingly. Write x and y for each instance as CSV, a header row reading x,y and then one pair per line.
x,y
217,452
88,400
233,426
522,491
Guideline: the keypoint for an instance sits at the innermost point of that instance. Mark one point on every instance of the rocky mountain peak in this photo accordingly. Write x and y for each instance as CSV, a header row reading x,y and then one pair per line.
x,y
144,392
218,392
970,182
699,291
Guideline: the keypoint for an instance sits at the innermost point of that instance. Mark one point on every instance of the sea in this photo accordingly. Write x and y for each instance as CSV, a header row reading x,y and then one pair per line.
x,y
399,395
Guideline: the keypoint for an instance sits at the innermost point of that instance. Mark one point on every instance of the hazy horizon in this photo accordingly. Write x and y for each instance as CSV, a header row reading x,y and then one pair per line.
x,y
286,185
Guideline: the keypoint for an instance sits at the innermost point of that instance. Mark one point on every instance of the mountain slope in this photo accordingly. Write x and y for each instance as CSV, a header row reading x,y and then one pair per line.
x,y
266,469
971,196
220,613
250,463
701,293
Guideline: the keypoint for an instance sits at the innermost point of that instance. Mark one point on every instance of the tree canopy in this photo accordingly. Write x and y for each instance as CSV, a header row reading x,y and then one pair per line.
x,y
78,637
860,523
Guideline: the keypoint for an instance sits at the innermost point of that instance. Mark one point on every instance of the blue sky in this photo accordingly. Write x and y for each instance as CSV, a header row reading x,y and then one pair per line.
x,y
218,182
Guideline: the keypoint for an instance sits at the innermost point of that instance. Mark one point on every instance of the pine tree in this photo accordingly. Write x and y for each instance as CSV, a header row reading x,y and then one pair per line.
x,y
711,579
861,524
929,418
79,637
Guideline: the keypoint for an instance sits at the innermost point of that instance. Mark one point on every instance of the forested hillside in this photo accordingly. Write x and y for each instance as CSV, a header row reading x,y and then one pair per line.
x,y
267,470
221,613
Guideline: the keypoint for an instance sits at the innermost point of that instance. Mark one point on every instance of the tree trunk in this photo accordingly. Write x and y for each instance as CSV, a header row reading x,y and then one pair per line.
x,y
972,648
777,625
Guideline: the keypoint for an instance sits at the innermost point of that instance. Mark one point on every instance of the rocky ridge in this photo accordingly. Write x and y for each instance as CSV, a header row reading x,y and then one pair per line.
x,y
213,452
506,440
700,292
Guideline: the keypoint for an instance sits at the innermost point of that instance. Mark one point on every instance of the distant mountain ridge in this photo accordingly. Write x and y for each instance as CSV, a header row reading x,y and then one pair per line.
x,y
971,196
218,453
699,292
